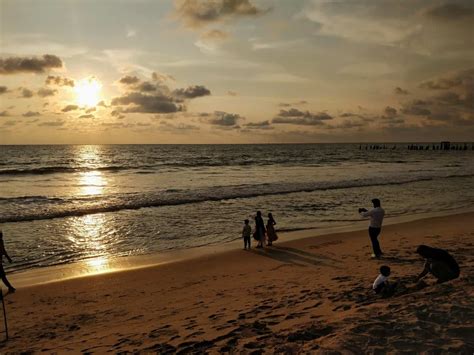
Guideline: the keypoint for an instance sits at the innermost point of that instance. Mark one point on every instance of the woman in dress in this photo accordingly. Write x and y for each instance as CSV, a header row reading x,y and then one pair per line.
x,y
260,229
271,234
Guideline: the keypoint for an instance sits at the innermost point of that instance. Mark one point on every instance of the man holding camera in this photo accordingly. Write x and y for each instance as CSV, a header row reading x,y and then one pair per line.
x,y
376,218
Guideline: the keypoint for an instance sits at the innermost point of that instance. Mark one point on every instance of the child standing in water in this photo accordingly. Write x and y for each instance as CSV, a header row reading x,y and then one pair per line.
x,y
246,233
3,276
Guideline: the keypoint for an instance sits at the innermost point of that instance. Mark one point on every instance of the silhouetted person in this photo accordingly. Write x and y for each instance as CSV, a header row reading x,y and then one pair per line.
x,y
439,263
3,252
246,233
260,229
271,234
381,284
376,218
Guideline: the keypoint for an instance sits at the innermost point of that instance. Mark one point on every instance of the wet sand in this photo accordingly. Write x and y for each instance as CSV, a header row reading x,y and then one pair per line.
x,y
308,295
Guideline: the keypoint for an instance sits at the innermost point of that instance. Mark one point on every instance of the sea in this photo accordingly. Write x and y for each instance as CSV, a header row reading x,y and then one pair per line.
x,y
63,204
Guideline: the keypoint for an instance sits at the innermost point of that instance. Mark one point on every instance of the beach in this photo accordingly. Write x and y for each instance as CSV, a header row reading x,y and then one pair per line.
x,y
310,295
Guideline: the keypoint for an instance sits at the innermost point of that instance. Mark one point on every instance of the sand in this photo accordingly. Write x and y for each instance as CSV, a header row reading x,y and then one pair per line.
x,y
311,295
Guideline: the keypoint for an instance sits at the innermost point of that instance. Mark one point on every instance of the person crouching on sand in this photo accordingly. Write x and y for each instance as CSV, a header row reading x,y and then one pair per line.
x,y
376,218
260,229
439,263
381,284
246,233
3,275
271,234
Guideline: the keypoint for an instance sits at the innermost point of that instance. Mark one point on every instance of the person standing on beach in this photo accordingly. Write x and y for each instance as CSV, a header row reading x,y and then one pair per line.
x,y
271,234
246,233
376,218
260,229
3,275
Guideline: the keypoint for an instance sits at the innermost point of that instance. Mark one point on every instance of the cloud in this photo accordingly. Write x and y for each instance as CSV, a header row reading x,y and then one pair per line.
x,y
449,12
45,92
192,92
304,118
69,108
223,119
400,91
3,90
51,123
416,108
87,116
232,93
129,80
198,13
16,65
10,123
214,35
4,114
285,104
155,97
461,79
258,125
60,81
26,93
161,77
31,114
157,103
390,111
92,109
180,127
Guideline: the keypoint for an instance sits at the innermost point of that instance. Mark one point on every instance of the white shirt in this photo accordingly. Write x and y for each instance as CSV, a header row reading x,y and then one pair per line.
x,y
376,217
379,280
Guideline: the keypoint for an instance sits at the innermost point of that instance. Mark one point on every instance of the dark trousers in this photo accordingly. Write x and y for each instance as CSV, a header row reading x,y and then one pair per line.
x,y
3,276
246,242
374,233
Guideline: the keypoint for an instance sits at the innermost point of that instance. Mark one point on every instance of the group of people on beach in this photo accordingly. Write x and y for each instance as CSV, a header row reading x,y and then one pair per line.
x,y
263,234
438,262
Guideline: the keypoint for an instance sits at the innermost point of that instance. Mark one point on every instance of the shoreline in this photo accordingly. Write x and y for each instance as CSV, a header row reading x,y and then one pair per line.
x,y
105,265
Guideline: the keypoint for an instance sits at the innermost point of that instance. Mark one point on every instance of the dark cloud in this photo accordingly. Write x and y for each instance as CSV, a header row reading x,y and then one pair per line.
x,y
390,111
197,13
31,114
155,97
285,104
87,116
51,124
129,80
10,123
223,119
347,124
258,125
4,114
3,90
161,77
92,109
450,12
416,108
157,103
192,92
60,81
304,118
102,103
26,93
15,65
45,92
69,108
400,91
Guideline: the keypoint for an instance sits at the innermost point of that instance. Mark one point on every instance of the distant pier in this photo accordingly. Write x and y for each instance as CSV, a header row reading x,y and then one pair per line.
x,y
419,146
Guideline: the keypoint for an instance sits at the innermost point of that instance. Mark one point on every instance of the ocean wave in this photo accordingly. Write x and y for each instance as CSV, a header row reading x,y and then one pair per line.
x,y
58,169
132,201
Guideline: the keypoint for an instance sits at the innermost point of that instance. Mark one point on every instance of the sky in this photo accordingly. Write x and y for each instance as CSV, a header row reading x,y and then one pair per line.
x,y
235,71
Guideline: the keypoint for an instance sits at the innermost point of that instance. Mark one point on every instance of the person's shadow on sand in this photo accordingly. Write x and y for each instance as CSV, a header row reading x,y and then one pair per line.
x,y
295,256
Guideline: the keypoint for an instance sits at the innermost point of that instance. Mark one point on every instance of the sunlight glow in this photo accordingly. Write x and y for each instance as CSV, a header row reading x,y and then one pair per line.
x,y
88,92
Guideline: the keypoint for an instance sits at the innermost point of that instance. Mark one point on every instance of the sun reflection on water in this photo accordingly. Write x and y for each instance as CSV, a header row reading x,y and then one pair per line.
x,y
92,183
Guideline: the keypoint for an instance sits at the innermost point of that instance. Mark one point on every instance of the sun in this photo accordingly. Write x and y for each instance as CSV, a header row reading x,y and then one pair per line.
x,y
88,91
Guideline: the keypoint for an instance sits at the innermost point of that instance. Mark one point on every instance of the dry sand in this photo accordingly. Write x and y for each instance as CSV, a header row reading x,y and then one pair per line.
x,y
305,296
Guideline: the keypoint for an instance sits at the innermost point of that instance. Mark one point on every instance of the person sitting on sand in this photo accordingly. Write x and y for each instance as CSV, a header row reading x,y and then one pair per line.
x,y
381,284
376,218
3,275
271,234
260,229
246,233
439,263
